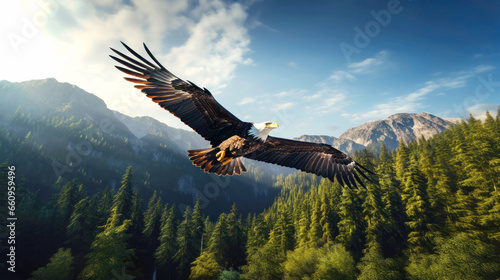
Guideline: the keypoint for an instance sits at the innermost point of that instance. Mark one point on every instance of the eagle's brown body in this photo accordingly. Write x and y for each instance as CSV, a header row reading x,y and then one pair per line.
x,y
237,146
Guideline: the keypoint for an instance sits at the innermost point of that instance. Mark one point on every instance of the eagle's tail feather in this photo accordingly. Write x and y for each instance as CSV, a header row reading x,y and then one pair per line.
x,y
206,159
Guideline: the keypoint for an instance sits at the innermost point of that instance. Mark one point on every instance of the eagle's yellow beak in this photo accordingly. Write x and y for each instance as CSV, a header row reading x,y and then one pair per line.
x,y
273,125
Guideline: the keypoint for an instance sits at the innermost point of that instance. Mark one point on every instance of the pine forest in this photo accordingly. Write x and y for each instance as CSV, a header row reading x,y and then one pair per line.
x,y
431,212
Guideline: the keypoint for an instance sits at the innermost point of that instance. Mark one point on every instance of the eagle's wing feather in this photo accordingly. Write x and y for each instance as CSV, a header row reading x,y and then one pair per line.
x,y
317,158
196,107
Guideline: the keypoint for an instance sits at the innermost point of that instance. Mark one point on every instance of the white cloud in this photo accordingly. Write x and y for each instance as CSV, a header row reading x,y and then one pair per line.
x,y
284,106
217,44
364,67
313,97
369,64
483,68
340,75
334,102
293,65
246,100
479,110
292,93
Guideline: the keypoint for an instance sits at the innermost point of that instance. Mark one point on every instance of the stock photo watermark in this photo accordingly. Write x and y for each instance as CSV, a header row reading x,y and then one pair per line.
x,y
373,28
484,90
77,152
10,180
31,24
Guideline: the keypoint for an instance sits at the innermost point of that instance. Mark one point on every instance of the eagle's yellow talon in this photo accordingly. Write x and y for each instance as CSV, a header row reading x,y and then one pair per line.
x,y
226,160
220,155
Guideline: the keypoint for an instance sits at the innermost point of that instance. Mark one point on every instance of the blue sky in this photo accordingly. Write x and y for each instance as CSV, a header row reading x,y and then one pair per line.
x,y
315,67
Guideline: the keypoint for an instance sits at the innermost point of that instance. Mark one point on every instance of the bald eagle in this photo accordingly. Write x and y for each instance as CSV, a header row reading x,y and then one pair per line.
x,y
231,138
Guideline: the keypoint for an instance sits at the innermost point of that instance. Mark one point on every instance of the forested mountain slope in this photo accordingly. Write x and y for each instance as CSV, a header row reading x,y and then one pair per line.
x,y
433,212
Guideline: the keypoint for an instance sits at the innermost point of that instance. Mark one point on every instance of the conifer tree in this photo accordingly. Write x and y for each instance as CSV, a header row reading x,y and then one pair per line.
x,y
109,252
327,220
394,227
373,215
59,268
104,206
82,226
303,231
315,233
336,263
465,210
489,217
164,254
457,257
219,241
258,234
402,160
373,266
417,209
264,263
205,267
236,238
302,263
350,227
151,231
282,234
124,198
68,197
152,220
137,218
185,255
197,227
209,228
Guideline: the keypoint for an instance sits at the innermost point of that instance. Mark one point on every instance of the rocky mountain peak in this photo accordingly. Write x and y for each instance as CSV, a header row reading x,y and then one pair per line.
x,y
396,128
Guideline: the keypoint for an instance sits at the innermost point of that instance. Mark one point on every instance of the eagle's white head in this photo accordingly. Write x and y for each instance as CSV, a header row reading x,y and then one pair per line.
x,y
261,130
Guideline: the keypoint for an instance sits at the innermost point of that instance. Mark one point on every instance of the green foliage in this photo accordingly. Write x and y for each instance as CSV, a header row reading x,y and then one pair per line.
x,y
59,268
458,257
109,253
336,263
66,201
351,222
236,239
302,263
434,213
264,264
417,208
229,275
82,226
197,226
124,198
185,255
152,220
165,253
373,266
205,267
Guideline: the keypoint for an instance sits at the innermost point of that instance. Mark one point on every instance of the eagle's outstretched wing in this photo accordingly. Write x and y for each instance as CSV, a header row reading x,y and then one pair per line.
x,y
196,107
317,158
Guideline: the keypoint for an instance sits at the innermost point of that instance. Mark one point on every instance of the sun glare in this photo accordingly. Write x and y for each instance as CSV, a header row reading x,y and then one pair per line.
x,y
27,53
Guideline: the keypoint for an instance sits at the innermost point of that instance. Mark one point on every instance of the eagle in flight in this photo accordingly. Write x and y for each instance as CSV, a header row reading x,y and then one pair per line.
x,y
230,137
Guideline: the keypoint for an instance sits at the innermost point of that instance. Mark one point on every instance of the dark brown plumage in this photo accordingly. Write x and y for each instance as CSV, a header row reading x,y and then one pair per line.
x,y
230,137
